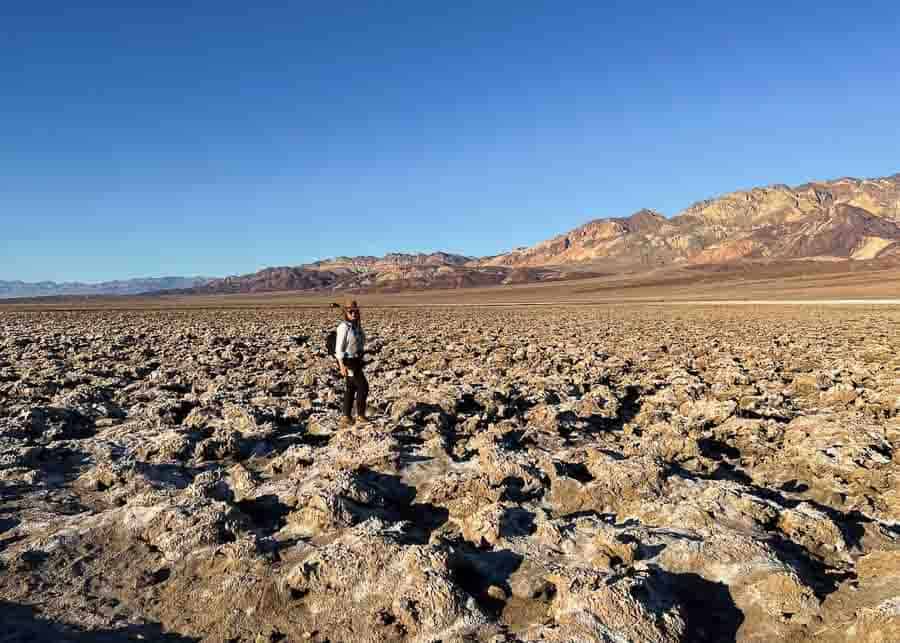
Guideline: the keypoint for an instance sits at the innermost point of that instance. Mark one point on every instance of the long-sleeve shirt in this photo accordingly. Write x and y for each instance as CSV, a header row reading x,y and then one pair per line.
x,y
350,341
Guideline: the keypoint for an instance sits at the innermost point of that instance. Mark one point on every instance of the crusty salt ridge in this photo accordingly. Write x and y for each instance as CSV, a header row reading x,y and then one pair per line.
x,y
534,474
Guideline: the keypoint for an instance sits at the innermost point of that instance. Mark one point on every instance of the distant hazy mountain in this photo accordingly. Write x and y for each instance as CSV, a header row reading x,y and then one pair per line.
x,y
10,289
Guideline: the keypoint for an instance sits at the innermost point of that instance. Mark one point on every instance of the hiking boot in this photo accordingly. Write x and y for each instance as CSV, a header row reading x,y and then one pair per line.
x,y
362,420
345,423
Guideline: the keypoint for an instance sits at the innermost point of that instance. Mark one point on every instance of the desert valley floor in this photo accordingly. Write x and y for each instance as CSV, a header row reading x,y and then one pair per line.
x,y
533,473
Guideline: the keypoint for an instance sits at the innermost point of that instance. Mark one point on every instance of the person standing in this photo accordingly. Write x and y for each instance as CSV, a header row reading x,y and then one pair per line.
x,y
348,349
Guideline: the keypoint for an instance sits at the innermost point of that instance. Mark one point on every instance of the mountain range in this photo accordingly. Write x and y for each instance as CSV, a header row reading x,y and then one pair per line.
x,y
842,220
10,289
847,219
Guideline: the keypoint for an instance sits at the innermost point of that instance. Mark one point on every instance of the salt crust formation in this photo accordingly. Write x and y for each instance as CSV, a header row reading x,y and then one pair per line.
x,y
536,474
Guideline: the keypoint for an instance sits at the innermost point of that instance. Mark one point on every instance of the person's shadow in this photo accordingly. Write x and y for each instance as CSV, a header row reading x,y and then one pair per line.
x,y
22,623
709,610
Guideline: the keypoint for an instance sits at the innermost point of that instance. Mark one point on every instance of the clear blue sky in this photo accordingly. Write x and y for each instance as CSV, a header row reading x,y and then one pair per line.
x,y
229,136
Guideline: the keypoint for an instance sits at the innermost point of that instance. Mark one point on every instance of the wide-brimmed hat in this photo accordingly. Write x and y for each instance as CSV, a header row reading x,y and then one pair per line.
x,y
348,304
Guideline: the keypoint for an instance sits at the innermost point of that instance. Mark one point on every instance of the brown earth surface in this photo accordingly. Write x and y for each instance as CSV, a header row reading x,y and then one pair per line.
x,y
532,473
752,281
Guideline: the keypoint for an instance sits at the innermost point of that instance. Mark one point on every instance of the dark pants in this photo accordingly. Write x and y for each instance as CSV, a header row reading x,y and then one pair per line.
x,y
356,387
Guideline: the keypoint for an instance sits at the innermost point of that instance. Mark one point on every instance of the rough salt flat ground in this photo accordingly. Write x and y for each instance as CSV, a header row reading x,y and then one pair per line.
x,y
592,473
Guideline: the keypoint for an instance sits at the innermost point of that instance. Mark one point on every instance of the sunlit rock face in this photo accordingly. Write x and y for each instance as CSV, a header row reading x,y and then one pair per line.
x,y
842,219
